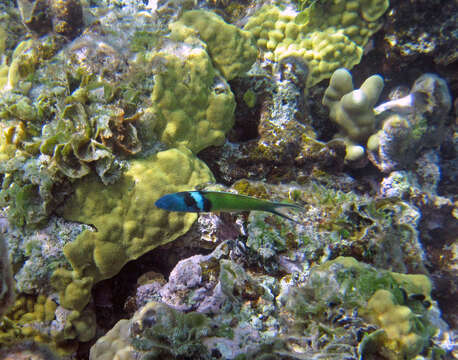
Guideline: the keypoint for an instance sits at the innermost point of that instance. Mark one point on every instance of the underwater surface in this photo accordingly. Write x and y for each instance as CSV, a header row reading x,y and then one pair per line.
x,y
266,179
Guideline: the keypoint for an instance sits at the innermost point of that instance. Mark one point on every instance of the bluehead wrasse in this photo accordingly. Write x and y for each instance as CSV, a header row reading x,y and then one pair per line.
x,y
209,201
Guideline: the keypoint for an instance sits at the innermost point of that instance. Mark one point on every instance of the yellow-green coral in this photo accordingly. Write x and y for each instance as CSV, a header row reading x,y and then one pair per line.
x,y
231,49
401,339
397,304
193,105
23,63
115,344
3,65
127,222
352,110
327,34
30,318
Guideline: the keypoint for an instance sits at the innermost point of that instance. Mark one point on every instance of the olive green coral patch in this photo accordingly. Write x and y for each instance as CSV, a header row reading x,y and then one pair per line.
x,y
324,34
126,221
193,105
232,50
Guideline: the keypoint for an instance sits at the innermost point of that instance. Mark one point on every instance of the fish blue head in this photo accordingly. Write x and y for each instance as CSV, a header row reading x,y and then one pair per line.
x,y
188,201
172,202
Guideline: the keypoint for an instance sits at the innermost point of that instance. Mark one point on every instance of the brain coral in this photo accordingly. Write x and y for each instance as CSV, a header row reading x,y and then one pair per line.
x,y
326,34
127,222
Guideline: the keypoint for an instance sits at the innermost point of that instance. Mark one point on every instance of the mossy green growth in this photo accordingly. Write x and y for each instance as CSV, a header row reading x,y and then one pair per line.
x,y
327,34
162,332
127,222
6,278
249,97
193,105
396,302
231,49
144,41
157,331
403,334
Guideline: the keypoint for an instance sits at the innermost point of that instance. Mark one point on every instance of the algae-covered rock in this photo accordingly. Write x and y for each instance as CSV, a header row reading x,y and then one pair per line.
x,y
64,17
192,103
6,278
157,332
411,124
126,222
399,304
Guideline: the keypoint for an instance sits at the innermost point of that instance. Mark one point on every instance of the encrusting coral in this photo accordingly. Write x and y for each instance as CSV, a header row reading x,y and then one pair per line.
x,y
326,34
231,49
192,103
100,254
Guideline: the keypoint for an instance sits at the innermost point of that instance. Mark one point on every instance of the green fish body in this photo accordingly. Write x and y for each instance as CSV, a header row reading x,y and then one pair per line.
x,y
212,201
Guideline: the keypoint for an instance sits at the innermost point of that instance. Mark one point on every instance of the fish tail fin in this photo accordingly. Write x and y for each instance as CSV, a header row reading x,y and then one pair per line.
x,y
276,209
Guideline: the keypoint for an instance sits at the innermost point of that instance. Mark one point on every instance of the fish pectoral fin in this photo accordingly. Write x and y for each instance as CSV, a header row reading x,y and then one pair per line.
x,y
282,211
285,216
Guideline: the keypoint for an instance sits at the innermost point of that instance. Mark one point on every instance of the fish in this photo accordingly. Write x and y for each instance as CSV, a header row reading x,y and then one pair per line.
x,y
215,201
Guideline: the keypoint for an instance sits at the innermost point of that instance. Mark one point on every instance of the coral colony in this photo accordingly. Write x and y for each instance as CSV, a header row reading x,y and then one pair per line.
x,y
334,114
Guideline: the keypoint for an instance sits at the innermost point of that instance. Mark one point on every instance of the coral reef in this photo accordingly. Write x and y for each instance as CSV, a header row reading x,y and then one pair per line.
x,y
273,139
107,105
352,110
195,114
326,34
6,277
421,34
409,125
417,122
36,254
100,254
275,314
230,48
63,17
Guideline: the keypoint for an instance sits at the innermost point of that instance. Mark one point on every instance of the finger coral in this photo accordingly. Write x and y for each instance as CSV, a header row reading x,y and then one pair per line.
x,y
352,110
